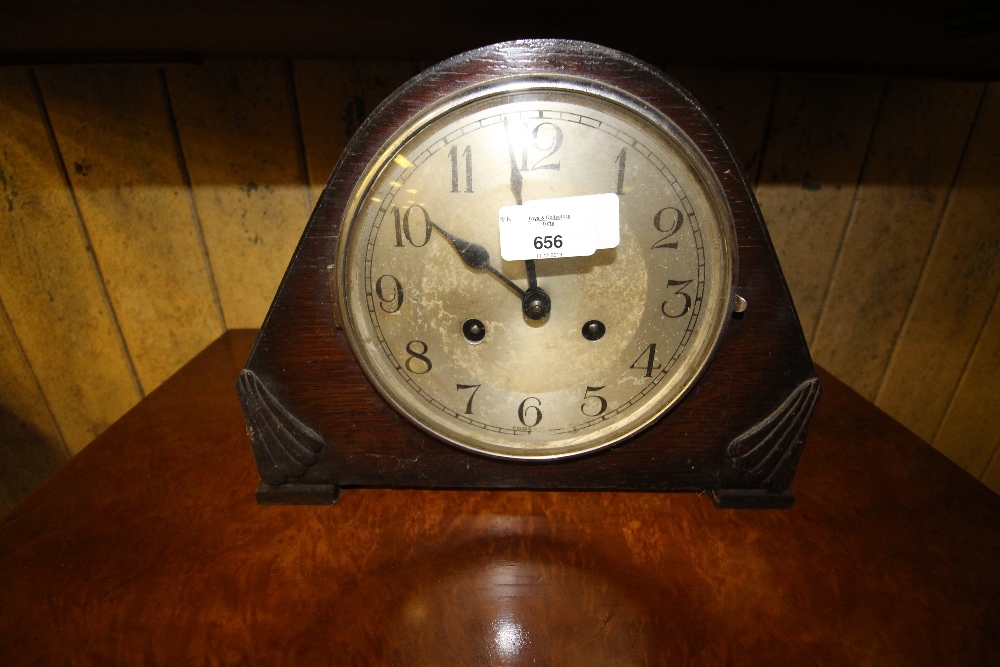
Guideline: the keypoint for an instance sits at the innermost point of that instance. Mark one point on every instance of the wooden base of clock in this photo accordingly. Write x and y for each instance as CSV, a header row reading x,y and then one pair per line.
x,y
317,425
377,448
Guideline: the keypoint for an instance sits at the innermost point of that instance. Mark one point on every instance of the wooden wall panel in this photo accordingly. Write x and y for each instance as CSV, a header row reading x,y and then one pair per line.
x,y
115,132
7,501
991,477
919,139
239,132
970,432
31,447
958,286
739,102
817,140
334,98
49,282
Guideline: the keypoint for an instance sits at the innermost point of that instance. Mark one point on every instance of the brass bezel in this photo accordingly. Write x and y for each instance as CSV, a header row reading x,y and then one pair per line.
x,y
500,87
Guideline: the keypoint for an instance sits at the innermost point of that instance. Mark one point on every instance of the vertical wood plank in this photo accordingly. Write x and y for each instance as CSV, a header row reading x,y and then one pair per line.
x,y
957,288
49,283
6,502
239,135
334,97
970,432
31,447
113,128
820,129
915,150
740,102
991,477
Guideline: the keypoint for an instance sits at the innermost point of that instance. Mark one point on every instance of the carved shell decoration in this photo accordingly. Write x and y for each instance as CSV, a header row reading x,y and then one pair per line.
x,y
769,451
283,447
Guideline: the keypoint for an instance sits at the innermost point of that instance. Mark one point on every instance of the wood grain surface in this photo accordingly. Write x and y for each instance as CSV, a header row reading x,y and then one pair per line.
x,y
908,173
238,127
334,98
970,432
148,547
818,137
114,131
992,475
31,447
739,102
50,283
957,288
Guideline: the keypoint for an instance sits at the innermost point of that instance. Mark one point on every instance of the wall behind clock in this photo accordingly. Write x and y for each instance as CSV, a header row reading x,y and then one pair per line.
x,y
144,210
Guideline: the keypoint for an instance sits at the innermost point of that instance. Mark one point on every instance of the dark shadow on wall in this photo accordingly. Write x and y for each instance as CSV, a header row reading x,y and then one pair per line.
x,y
26,458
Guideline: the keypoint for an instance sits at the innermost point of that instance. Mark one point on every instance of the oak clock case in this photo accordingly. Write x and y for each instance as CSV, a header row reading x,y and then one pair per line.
x,y
401,350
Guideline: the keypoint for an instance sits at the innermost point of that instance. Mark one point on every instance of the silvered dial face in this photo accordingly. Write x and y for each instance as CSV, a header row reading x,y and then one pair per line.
x,y
465,344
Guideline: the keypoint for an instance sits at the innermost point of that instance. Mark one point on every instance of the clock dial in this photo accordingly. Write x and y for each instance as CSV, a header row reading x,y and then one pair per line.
x,y
551,357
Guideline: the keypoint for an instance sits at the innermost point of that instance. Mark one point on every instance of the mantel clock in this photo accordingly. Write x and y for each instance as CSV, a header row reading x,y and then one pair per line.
x,y
537,265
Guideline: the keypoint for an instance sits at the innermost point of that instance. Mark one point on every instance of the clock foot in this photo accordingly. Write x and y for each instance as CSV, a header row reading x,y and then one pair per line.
x,y
751,499
297,494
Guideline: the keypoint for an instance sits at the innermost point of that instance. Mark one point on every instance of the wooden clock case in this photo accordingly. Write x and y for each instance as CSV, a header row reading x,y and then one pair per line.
x,y
317,425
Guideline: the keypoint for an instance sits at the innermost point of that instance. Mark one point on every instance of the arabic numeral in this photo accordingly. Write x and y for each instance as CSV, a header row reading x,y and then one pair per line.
x,y
423,364
680,285
530,412
546,242
474,388
393,298
601,405
649,354
671,217
546,138
402,224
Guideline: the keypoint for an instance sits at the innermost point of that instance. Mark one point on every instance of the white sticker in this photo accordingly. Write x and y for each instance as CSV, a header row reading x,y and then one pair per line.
x,y
561,227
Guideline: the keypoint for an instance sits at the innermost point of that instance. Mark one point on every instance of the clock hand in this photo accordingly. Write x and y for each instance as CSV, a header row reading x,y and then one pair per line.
x,y
476,257
529,265
515,173
535,303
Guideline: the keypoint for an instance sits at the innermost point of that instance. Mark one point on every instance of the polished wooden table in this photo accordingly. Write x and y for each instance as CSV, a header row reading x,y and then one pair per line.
x,y
149,548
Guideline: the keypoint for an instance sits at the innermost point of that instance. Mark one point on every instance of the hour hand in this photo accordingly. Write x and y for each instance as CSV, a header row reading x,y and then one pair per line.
x,y
476,257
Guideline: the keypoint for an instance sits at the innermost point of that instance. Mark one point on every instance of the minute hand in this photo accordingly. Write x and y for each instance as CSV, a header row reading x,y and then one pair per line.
x,y
516,182
476,257
515,174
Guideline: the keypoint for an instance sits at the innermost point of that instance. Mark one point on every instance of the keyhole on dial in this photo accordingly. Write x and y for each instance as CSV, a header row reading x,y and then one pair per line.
x,y
594,330
474,331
